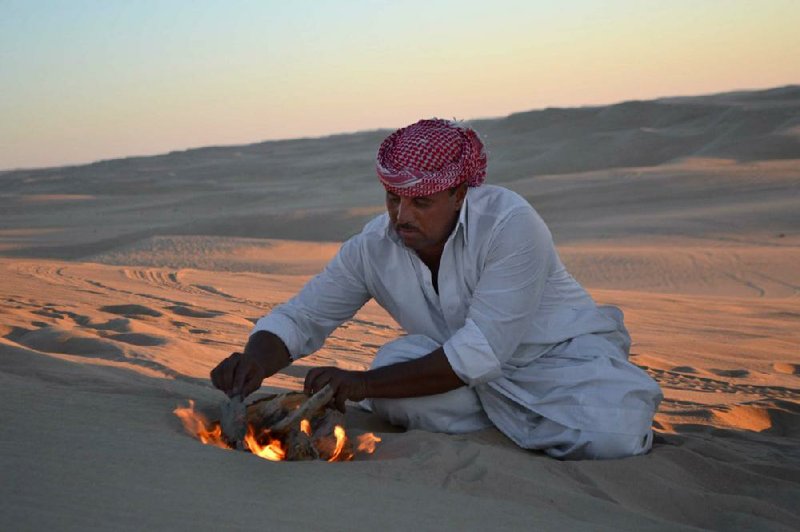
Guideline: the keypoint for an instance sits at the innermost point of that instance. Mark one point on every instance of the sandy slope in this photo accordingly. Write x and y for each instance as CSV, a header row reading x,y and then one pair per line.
x,y
95,357
123,283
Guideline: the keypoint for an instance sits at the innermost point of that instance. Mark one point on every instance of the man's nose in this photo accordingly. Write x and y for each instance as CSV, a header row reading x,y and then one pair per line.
x,y
403,211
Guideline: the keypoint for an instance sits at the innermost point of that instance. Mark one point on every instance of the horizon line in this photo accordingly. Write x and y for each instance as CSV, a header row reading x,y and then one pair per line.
x,y
356,132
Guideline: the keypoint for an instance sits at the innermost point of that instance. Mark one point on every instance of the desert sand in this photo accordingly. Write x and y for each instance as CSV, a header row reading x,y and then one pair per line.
x,y
122,283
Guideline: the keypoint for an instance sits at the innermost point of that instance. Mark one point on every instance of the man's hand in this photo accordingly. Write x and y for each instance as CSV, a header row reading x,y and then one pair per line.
x,y
346,385
239,374
242,373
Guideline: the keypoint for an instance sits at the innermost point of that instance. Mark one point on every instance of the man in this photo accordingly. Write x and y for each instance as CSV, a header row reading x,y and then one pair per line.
x,y
498,332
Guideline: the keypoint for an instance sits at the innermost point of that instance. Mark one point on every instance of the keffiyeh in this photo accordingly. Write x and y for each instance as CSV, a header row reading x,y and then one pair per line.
x,y
430,156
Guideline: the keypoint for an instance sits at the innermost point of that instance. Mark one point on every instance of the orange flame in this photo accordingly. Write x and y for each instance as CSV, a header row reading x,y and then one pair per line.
x,y
305,427
273,450
197,425
341,439
367,442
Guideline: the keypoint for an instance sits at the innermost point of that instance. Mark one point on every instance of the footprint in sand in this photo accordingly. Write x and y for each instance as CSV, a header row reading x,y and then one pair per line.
x,y
735,373
756,418
194,313
54,340
684,369
120,325
212,290
188,327
131,310
140,339
786,368
49,313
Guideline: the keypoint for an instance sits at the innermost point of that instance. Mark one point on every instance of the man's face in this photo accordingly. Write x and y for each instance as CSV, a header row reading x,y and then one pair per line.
x,y
425,222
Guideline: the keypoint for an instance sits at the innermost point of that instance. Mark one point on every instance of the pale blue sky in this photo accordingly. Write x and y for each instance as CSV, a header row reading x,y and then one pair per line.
x,y
88,80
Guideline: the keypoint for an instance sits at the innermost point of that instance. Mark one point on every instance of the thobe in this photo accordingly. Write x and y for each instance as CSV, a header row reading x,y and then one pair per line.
x,y
541,361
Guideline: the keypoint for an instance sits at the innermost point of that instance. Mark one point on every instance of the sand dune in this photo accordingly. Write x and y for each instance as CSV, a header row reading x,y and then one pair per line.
x,y
719,165
729,424
124,282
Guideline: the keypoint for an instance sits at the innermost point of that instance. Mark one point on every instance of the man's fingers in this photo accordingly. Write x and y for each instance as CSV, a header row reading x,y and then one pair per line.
x,y
229,367
243,372
315,380
308,380
252,383
341,397
338,379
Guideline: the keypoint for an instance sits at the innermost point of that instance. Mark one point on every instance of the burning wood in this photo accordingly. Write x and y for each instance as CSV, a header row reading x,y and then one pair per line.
x,y
289,426
315,403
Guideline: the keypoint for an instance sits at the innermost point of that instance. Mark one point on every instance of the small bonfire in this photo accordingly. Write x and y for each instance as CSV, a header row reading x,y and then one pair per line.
x,y
288,426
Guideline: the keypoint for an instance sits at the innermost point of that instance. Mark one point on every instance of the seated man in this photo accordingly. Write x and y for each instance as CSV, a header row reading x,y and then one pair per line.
x,y
499,333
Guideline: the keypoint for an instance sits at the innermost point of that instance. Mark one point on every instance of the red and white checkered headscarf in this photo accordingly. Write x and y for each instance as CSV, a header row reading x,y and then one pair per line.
x,y
430,156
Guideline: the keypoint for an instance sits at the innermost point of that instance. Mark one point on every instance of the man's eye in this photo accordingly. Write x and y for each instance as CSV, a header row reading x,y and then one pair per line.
x,y
421,203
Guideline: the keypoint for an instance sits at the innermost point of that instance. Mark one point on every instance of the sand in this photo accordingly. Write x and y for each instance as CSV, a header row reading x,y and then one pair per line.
x,y
123,283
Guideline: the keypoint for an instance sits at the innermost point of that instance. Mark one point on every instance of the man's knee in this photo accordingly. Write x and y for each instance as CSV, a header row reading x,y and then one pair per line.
x,y
456,411
595,445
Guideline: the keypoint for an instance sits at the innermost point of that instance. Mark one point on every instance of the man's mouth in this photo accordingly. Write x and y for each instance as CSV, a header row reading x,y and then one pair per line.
x,y
406,230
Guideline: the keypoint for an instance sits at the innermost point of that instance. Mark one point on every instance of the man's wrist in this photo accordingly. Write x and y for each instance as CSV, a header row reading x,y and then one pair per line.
x,y
428,375
366,384
269,351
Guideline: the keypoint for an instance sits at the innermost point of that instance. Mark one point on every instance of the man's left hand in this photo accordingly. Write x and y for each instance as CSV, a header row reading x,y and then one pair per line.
x,y
346,385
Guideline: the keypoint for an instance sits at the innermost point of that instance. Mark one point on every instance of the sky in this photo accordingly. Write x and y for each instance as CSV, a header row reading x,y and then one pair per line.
x,y
82,81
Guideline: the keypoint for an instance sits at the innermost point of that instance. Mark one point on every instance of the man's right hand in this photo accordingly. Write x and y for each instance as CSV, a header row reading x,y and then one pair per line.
x,y
242,373
239,374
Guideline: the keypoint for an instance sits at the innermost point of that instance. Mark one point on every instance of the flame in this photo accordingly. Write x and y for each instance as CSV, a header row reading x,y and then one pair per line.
x,y
263,444
272,450
197,425
367,442
341,439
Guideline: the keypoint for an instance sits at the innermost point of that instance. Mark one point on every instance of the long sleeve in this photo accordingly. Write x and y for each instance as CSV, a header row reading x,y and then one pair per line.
x,y
505,299
324,303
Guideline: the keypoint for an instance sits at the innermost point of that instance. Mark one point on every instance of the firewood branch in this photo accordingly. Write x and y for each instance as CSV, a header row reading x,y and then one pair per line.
x,y
305,411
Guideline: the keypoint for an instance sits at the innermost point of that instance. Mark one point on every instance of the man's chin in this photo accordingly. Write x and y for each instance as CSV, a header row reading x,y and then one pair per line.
x,y
410,242
408,235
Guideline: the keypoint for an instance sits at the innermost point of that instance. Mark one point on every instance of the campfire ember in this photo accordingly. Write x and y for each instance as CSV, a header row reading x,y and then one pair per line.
x,y
288,426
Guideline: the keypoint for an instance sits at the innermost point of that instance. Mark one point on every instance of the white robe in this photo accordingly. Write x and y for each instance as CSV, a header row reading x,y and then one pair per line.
x,y
516,327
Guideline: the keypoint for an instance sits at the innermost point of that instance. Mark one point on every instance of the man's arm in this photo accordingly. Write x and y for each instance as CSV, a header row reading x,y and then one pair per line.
x,y
428,375
299,326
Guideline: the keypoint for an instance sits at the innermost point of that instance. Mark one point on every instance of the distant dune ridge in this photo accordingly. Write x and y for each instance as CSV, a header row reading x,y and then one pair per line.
x,y
122,283
739,143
